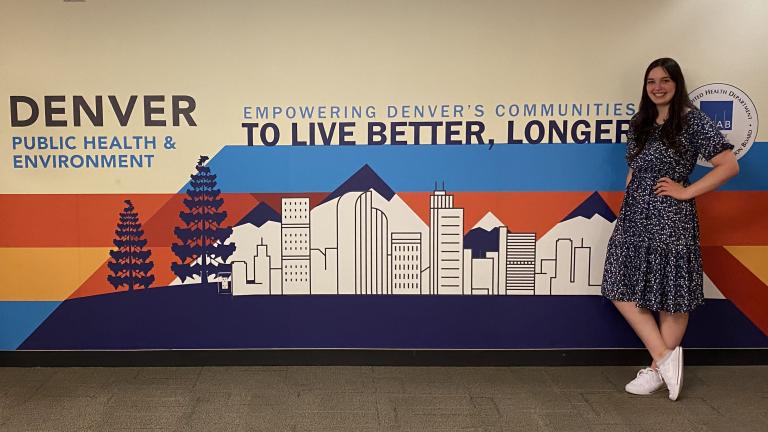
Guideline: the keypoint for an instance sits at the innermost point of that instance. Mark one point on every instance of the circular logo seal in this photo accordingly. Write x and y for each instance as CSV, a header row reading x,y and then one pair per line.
x,y
732,111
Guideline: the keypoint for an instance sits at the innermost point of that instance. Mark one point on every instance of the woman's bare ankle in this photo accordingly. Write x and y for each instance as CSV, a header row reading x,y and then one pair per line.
x,y
660,357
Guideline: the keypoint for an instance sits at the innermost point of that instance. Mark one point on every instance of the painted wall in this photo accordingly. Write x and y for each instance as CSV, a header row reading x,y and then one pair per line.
x,y
432,174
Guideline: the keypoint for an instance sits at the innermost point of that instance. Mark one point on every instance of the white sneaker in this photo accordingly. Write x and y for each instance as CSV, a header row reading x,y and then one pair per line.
x,y
646,382
671,368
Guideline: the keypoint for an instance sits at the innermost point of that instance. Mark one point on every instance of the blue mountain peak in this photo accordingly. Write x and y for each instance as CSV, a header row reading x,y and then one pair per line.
x,y
365,178
594,205
260,215
482,241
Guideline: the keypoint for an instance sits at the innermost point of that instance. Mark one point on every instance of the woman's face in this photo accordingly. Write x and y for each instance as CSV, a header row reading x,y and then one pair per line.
x,y
659,86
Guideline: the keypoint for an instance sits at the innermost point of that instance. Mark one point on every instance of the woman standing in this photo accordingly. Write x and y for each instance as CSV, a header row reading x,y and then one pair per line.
x,y
653,262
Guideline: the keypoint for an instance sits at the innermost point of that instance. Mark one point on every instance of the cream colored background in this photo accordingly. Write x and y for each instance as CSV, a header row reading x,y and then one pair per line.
x,y
228,54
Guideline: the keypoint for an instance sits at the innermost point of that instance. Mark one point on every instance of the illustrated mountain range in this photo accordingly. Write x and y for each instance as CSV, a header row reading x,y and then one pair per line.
x,y
195,316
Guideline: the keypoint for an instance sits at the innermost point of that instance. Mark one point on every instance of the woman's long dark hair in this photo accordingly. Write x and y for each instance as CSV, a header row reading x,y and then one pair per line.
x,y
645,121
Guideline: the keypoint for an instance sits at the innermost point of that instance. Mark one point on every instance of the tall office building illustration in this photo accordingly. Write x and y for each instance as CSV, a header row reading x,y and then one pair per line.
x,y
260,284
517,263
295,246
446,244
371,247
406,263
563,279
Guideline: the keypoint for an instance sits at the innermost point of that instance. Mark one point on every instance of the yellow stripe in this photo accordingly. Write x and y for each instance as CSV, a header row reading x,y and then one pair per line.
x,y
50,274
755,258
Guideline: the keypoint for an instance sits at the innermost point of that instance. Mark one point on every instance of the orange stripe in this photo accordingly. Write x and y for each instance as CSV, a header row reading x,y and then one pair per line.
x,y
738,284
97,282
90,220
755,258
68,220
727,218
733,218
46,274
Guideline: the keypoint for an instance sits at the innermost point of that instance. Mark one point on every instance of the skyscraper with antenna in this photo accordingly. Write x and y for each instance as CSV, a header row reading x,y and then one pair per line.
x,y
446,244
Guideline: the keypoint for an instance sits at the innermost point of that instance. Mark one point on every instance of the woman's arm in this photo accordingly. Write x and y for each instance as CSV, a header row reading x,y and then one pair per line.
x,y
725,167
629,177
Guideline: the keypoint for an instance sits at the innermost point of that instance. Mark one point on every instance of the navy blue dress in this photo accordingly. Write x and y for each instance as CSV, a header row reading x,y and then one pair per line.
x,y
654,254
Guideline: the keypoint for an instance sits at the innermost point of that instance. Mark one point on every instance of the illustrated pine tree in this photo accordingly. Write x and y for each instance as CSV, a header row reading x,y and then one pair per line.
x,y
130,264
202,251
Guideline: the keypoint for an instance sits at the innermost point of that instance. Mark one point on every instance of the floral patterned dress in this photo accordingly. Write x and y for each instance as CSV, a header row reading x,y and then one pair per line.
x,y
654,254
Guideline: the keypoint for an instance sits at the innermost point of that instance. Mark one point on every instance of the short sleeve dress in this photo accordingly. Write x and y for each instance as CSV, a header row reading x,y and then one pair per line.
x,y
654,255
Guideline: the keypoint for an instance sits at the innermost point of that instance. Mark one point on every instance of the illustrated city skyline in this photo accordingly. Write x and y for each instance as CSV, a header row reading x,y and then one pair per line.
x,y
363,239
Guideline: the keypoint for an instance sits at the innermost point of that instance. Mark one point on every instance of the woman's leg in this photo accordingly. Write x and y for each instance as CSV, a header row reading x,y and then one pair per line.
x,y
672,327
644,324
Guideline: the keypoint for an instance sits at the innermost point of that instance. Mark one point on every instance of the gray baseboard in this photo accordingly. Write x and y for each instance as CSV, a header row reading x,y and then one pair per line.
x,y
371,357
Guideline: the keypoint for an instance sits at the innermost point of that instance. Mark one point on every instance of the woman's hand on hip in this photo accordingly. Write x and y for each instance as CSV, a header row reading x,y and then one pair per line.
x,y
668,187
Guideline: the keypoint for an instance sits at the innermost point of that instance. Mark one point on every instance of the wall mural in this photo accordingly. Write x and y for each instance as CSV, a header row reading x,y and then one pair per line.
x,y
329,175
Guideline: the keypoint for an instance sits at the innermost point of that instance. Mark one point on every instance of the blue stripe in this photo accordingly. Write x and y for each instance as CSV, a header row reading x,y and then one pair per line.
x,y
18,319
197,317
517,167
